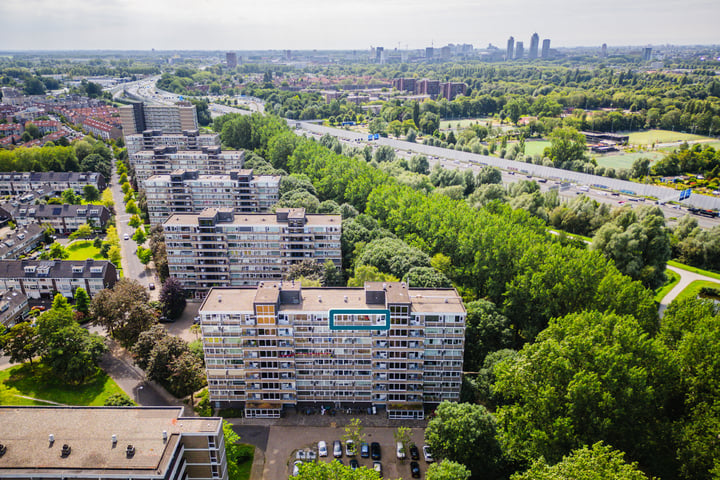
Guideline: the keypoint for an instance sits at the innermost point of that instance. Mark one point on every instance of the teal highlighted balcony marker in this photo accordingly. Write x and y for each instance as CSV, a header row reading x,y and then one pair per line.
x,y
340,311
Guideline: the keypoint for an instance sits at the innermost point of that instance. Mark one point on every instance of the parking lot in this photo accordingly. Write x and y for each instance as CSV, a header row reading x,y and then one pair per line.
x,y
284,441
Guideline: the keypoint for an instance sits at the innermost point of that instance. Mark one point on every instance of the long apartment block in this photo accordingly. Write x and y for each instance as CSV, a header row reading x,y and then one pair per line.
x,y
64,218
187,140
219,248
19,183
42,279
279,346
120,443
167,159
138,117
186,191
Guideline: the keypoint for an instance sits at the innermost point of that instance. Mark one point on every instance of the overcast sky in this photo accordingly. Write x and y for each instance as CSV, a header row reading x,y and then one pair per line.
x,y
348,24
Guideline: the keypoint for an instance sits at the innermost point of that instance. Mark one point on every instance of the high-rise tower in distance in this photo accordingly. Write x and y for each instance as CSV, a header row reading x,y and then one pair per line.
x,y
509,55
534,44
545,52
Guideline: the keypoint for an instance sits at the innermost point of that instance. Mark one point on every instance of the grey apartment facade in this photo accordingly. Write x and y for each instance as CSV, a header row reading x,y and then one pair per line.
x,y
187,140
186,191
20,183
219,248
94,443
170,119
279,346
167,159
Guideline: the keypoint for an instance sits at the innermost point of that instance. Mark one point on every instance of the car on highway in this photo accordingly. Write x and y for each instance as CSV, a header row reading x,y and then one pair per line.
x,y
337,449
322,448
415,469
375,451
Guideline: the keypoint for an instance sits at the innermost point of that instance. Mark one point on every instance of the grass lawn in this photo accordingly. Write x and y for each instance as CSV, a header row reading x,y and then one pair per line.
x,y
688,268
662,136
82,250
673,279
464,123
625,160
535,147
40,383
692,290
246,466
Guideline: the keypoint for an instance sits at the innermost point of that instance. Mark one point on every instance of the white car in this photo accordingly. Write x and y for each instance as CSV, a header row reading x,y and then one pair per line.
x,y
350,450
300,455
427,454
310,456
322,448
400,450
296,468
126,237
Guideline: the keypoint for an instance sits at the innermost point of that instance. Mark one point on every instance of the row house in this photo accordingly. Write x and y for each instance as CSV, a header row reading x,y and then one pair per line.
x,y
21,241
19,183
65,219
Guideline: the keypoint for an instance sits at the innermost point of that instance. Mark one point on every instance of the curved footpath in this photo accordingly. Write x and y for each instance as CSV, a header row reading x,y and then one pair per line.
x,y
686,278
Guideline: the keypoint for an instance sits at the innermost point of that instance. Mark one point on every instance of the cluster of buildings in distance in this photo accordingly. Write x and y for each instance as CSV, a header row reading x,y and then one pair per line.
x,y
516,51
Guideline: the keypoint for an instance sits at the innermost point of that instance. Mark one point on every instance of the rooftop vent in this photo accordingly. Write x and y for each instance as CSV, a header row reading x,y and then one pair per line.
x,y
130,451
164,435
3,449
65,452
346,299
51,439
219,298
114,439
320,298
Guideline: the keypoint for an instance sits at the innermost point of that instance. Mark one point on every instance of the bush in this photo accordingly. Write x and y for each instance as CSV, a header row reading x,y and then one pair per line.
x,y
119,400
709,292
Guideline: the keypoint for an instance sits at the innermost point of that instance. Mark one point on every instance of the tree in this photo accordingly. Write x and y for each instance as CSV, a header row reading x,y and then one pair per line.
x,y
144,255
91,193
566,145
354,432
331,275
459,430
488,175
139,236
588,377
33,130
307,268
172,298
404,435
56,252
135,221
368,273
124,311
447,470
20,343
419,164
232,450
82,301
487,330
393,256
334,471
132,208
598,462
83,231
395,128
426,277
384,153
71,352
187,375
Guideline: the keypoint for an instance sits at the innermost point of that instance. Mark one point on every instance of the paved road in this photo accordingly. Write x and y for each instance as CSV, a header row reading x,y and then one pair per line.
x,y
686,278
132,268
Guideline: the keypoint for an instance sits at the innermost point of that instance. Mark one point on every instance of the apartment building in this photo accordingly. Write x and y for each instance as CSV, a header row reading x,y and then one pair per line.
x,y
187,140
14,308
219,248
138,117
186,191
19,183
20,241
122,443
65,218
42,279
281,346
167,159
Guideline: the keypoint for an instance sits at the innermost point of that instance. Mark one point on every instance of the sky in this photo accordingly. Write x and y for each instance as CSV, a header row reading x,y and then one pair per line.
x,y
348,24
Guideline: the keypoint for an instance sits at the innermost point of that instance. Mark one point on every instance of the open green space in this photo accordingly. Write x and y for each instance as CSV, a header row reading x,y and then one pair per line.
x,y
465,122
699,271
535,147
692,290
245,467
672,280
82,250
37,381
625,160
662,136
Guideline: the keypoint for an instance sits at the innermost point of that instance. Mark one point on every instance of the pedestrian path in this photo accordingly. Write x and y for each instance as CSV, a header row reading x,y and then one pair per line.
x,y
686,278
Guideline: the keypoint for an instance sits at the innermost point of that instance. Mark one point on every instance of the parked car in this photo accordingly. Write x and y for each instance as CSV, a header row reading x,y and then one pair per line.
x,y
375,450
310,455
415,469
337,449
322,448
364,450
427,453
350,449
400,450
296,467
377,466
126,237
151,286
354,464
414,453
300,455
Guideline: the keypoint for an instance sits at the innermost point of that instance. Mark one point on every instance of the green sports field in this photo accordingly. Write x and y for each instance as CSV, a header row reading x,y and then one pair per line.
x,y
662,136
625,160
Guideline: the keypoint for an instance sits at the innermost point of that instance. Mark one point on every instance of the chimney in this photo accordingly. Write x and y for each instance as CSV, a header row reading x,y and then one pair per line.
x,y
114,439
51,439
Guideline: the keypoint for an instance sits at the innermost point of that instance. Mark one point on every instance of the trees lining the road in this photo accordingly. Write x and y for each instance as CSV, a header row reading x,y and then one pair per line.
x,y
124,311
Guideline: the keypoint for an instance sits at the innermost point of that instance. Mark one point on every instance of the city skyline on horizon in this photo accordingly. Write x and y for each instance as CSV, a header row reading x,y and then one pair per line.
x,y
274,25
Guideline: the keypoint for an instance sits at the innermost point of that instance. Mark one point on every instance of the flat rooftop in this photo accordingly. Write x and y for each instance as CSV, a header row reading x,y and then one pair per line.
x,y
311,219
88,431
422,300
